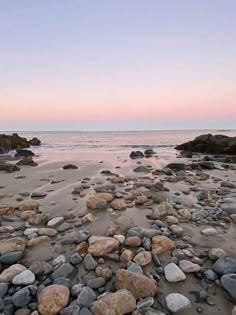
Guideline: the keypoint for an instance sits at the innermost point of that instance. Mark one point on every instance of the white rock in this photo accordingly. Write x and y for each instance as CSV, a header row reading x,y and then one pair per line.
x,y
188,266
55,222
120,238
24,278
30,231
209,231
59,260
177,302
173,273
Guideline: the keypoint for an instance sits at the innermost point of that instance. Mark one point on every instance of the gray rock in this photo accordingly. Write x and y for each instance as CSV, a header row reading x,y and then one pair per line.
x,y
86,297
142,169
55,222
65,270
24,296
85,311
225,265
64,227
96,283
150,233
229,283
173,273
199,215
40,268
81,236
210,275
38,195
76,289
177,302
89,262
227,184
63,281
75,259
147,302
26,277
134,267
147,243
3,289
71,310
11,258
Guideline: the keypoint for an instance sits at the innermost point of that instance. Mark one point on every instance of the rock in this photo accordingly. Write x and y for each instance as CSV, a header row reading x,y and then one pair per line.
x,y
12,245
47,231
138,284
37,240
145,303
89,262
134,267
188,266
105,196
96,203
173,273
34,142
14,141
27,160
126,256
177,302
5,209
22,153
71,310
29,205
63,281
88,218
118,180
216,253
225,265
177,166
26,277
229,283
30,231
133,241
40,268
11,258
172,220
143,258
100,245
118,303
199,215
38,195
27,214
234,311
164,209
118,205
209,232
82,248
86,297
162,244
8,274
142,169
64,270
136,155
3,289
104,272
184,213
24,296
59,260
96,283
70,167
55,222
85,311
120,238
8,167
53,299
39,219
227,184
75,259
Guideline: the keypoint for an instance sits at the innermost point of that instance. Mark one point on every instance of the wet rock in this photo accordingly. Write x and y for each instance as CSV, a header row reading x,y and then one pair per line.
x,y
100,245
142,169
96,203
177,302
162,244
70,167
225,265
143,258
27,160
136,155
120,302
173,273
187,266
138,284
8,274
26,277
89,262
86,297
52,299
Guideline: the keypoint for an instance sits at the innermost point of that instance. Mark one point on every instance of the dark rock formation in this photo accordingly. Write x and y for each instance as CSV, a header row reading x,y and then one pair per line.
x,y
214,144
136,155
23,153
8,167
14,141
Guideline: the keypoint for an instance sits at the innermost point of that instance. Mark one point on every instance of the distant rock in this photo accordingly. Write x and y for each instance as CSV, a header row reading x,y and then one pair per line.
x,y
70,167
208,143
136,155
23,153
14,141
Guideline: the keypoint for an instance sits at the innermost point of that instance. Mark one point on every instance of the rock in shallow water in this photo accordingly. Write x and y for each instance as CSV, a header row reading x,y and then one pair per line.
x,y
177,302
120,302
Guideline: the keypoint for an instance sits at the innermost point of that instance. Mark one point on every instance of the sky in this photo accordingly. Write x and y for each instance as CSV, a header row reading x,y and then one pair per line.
x,y
117,65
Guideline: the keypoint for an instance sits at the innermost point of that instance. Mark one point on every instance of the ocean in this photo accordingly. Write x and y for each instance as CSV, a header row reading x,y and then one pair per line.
x,y
61,145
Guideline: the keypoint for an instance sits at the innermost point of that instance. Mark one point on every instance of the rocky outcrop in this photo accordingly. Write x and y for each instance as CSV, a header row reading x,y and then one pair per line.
x,y
208,143
14,141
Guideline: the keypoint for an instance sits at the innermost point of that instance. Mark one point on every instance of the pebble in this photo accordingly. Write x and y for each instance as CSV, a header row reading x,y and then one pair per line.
x,y
188,266
144,303
225,265
75,259
229,283
173,273
26,277
3,289
55,222
86,297
143,258
209,232
96,283
177,302
64,270
89,262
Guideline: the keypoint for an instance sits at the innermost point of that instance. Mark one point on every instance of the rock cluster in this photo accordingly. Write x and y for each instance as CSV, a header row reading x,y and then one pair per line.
x,y
14,141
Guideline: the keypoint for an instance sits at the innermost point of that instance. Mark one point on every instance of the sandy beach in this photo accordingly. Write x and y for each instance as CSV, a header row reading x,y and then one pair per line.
x,y
135,202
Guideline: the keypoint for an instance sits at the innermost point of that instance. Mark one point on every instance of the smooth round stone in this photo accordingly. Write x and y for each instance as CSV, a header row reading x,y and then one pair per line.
x,y
64,270
209,232
29,231
173,273
86,297
225,265
147,243
55,222
96,283
47,231
188,266
177,302
210,275
229,283
11,258
133,267
26,277
64,227
76,289
216,253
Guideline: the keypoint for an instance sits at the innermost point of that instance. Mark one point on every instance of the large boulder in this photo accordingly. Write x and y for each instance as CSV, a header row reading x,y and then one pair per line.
x,y
14,142
208,143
